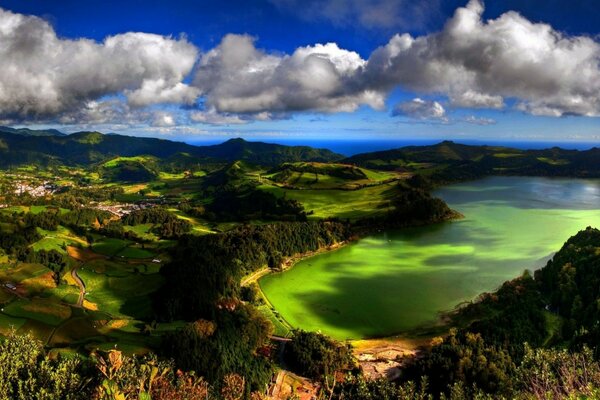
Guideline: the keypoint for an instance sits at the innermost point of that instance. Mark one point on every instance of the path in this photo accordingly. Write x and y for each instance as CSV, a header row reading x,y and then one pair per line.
x,y
79,283
255,276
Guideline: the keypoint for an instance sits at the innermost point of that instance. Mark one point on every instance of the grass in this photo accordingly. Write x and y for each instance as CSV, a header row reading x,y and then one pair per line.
x,y
57,240
39,309
198,226
121,297
143,231
115,162
553,327
8,322
135,252
344,204
110,246
552,161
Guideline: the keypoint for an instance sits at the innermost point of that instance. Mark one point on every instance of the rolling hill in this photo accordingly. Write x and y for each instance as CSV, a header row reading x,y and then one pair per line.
x,y
25,146
449,161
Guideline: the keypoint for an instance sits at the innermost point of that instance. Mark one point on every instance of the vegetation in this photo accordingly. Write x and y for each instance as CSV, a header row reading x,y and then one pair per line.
x,y
141,244
317,356
450,162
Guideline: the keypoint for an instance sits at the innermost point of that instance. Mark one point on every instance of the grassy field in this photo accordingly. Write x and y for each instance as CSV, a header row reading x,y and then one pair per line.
x,y
58,240
118,160
350,204
110,246
326,176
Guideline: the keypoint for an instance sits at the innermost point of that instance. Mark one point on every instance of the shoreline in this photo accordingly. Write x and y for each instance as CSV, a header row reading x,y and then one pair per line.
x,y
290,262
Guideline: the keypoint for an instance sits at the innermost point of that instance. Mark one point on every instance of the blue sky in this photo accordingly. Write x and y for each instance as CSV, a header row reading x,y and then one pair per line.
x,y
503,70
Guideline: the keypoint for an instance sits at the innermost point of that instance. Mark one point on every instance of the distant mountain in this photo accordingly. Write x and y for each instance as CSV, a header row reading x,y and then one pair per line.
x,y
31,132
267,153
448,161
446,151
22,146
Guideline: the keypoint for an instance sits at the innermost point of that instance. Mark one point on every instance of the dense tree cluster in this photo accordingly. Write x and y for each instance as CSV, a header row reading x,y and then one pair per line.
x,y
206,268
55,261
229,343
167,225
571,284
411,206
466,358
316,356
17,240
253,204
203,281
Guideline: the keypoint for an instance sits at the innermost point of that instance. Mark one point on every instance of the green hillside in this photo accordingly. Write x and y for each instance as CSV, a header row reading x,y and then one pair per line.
x,y
19,147
449,161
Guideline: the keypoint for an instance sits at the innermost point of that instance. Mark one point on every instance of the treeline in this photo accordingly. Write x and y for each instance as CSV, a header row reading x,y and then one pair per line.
x,y
235,197
570,284
52,259
202,284
253,204
341,171
411,206
167,224
543,374
207,268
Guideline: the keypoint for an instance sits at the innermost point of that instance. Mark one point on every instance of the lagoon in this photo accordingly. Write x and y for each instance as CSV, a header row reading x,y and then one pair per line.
x,y
396,281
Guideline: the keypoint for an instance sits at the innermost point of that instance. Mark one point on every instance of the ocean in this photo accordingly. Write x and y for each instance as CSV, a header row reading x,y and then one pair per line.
x,y
352,147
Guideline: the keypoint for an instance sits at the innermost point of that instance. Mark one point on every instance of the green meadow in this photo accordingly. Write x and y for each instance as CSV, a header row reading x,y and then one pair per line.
x,y
401,281
351,204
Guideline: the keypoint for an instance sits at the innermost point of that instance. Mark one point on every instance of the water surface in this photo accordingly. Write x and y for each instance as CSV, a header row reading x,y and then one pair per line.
x,y
396,281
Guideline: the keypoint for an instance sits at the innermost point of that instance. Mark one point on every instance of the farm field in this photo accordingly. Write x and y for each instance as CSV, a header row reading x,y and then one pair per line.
x,y
118,277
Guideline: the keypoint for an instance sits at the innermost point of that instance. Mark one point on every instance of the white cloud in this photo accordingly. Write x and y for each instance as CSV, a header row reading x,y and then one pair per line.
x,y
212,117
421,109
43,75
475,63
160,91
163,119
479,63
236,77
471,119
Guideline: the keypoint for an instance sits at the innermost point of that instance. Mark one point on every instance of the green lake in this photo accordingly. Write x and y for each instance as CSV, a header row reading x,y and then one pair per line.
x,y
397,281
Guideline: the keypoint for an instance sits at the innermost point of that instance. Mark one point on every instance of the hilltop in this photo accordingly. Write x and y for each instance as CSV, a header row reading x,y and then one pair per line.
x,y
24,146
450,161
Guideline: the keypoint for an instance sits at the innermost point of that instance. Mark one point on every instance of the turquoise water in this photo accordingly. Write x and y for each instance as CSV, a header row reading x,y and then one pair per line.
x,y
396,281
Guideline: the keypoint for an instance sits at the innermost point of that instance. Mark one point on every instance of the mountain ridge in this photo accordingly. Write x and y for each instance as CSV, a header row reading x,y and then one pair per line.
x,y
86,148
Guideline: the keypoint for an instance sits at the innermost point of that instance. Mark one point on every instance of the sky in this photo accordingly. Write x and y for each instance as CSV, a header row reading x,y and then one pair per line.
x,y
304,69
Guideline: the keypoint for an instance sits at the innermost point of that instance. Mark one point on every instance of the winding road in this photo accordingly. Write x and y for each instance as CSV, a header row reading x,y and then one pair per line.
x,y
79,283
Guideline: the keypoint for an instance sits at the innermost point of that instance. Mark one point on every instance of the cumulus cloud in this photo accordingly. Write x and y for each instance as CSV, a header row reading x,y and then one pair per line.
x,y
236,77
471,119
163,119
421,109
479,63
212,117
43,75
373,14
474,63
115,113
